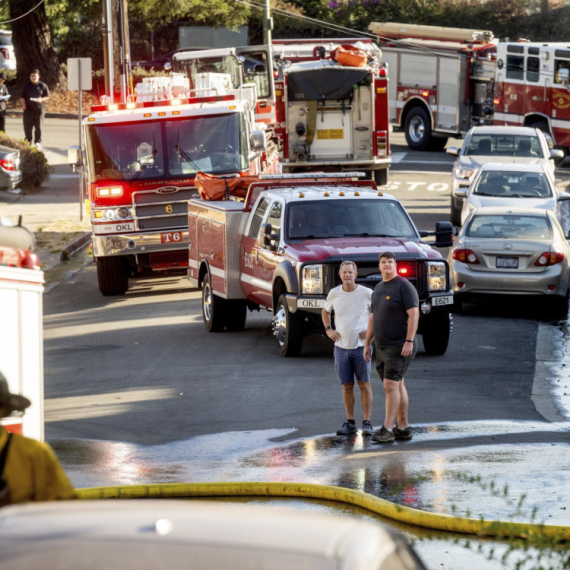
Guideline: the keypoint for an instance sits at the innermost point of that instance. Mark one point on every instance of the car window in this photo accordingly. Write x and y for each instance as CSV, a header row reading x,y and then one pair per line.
x,y
509,226
258,218
504,145
274,217
506,184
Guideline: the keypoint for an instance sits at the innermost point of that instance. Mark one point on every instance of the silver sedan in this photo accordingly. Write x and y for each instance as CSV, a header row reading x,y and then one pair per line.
x,y
495,143
512,251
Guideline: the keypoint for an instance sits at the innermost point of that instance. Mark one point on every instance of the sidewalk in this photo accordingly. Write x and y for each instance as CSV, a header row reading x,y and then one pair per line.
x,y
53,212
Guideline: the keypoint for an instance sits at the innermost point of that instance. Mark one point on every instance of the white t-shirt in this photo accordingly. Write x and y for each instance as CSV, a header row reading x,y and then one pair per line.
x,y
351,314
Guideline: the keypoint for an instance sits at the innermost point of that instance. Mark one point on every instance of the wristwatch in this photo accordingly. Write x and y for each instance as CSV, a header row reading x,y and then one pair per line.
x,y
328,328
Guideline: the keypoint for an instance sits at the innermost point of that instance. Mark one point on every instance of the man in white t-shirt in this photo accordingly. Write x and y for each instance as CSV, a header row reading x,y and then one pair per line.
x,y
351,305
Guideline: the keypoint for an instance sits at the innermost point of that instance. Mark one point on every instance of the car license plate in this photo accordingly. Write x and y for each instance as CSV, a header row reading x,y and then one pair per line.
x,y
437,301
330,134
171,237
507,262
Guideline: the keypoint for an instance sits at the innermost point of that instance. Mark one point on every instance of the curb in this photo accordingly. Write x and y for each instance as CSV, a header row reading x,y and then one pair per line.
x,y
48,115
374,504
72,246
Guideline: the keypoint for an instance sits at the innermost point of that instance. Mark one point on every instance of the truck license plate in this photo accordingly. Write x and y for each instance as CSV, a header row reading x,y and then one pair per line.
x,y
311,303
437,301
113,228
171,237
507,262
330,134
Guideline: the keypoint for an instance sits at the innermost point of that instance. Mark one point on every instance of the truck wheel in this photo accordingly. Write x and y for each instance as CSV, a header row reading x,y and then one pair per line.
x,y
213,308
436,337
381,177
455,216
417,129
112,275
288,328
236,313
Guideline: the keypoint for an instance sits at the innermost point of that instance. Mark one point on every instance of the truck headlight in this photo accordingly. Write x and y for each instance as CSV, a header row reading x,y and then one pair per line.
x,y
464,173
437,281
312,279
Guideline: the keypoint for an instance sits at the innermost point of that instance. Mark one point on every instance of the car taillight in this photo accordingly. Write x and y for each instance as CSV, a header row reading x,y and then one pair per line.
x,y
5,52
109,192
465,256
7,164
549,258
381,143
407,270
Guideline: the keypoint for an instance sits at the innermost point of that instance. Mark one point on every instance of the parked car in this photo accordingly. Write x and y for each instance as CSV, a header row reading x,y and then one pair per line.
x,y
7,55
517,251
496,144
199,535
10,173
511,185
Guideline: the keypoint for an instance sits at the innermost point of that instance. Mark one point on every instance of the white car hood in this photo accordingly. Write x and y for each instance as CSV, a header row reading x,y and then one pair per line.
x,y
499,202
475,162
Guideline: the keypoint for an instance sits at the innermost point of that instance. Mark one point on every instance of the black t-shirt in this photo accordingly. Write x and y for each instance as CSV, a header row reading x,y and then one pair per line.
x,y
390,301
35,91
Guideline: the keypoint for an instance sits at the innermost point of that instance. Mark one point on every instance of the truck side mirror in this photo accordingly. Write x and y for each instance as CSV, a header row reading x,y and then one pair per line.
x,y
74,156
443,234
258,140
266,237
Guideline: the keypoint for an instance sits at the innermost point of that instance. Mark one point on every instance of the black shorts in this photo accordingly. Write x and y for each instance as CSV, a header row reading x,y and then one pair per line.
x,y
391,365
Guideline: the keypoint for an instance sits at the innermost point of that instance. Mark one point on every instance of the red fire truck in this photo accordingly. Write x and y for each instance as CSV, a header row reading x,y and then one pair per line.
x,y
141,160
281,248
21,332
330,115
442,80
532,88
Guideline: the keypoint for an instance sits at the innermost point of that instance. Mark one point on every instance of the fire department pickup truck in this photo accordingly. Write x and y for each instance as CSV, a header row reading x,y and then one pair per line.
x,y
281,248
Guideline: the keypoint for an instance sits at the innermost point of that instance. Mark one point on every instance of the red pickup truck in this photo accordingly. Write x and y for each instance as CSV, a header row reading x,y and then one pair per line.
x,y
281,248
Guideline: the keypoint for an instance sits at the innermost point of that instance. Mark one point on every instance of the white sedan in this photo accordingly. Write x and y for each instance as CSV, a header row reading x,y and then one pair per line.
x,y
511,186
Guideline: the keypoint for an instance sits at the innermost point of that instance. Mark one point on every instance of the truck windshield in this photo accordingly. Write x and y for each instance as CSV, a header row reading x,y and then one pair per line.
x,y
348,218
148,150
191,67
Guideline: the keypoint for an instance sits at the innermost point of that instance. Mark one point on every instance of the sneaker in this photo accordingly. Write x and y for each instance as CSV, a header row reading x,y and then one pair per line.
x,y
367,428
346,429
38,146
383,435
405,433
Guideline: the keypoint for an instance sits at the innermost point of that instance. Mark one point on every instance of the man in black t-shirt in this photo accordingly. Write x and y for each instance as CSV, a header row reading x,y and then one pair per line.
x,y
4,96
393,324
34,97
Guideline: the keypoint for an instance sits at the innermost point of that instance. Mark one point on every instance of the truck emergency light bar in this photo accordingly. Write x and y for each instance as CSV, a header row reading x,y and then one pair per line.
x,y
312,175
145,104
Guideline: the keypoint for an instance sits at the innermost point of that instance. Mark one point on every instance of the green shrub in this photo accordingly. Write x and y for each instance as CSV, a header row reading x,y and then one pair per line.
x,y
33,163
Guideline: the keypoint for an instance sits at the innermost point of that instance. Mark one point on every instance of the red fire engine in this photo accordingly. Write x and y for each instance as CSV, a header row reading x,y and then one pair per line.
x,y
531,88
442,80
332,107
21,333
141,160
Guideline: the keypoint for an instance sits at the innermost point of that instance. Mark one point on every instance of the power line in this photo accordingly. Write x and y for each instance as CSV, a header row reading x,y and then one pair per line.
x,y
23,15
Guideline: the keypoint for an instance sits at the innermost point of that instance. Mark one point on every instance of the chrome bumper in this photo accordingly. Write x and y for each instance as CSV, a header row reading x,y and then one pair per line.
x,y
133,244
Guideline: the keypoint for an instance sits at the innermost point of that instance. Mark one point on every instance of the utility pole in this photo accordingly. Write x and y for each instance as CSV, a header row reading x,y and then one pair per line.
x,y
267,23
108,49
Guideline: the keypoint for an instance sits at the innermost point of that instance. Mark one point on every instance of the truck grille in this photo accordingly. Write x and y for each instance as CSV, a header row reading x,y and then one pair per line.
x,y
155,210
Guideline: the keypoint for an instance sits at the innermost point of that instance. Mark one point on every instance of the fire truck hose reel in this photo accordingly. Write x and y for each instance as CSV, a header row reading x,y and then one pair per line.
x,y
374,504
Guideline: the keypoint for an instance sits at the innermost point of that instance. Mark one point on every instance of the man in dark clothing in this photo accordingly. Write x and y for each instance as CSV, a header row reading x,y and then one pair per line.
x,y
4,96
393,323
34,97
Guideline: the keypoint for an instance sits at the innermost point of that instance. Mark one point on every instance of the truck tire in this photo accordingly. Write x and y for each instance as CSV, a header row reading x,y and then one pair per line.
x,y
381,177
288,328
418,129
436,334
213,308
236,313
112,275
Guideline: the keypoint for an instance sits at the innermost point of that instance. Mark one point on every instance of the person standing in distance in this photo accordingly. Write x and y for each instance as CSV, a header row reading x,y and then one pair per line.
x,y
34,97
4,96
351,305
393,324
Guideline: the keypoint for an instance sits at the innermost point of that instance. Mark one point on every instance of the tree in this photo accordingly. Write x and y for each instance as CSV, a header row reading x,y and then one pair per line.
x,y
32,42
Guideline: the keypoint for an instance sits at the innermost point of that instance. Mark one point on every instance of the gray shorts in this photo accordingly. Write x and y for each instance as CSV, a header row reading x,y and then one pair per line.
x,y
391,365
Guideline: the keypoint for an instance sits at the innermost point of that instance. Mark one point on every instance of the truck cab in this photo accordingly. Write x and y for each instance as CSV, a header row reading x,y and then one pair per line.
x,y
282,248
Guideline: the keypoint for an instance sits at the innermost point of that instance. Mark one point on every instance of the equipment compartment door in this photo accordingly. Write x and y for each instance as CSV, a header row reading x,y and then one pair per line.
x,y
333,138
448,94
211,249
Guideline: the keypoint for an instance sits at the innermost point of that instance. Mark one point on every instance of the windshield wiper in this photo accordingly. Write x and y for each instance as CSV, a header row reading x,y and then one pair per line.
x,y
486,194
368,234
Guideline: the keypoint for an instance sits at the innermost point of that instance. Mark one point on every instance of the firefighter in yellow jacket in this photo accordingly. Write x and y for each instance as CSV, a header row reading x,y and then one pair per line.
x,y
29,470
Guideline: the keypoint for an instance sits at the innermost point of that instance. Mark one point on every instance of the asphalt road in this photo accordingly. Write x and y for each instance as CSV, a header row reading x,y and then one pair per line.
x,y
142,369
